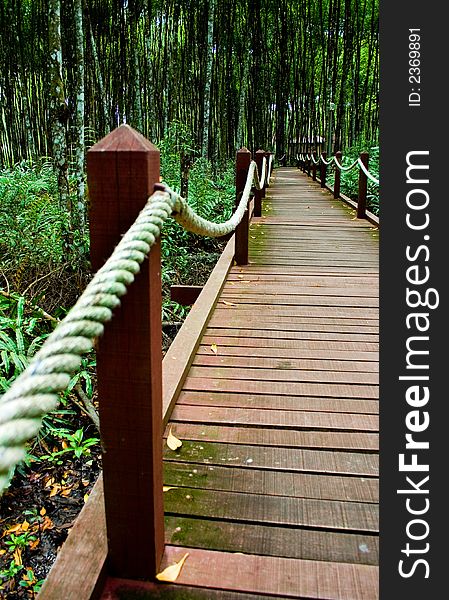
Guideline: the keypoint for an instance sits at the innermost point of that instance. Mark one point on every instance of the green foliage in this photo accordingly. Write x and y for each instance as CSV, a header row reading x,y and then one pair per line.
x,y
76,444
350,179
37,243
22,332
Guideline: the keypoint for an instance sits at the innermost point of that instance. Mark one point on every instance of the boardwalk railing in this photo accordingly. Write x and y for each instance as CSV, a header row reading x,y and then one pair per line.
x,y
309,164
123,172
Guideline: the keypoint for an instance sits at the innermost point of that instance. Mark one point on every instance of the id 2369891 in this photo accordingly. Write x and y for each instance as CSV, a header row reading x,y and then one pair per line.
x,y
414,70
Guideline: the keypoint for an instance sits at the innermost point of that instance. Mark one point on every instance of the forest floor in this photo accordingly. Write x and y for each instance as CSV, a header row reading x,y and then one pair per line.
x,y
45,497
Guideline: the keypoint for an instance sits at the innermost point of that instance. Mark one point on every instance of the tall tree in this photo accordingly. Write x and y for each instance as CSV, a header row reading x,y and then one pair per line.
x,y
79,111
60,111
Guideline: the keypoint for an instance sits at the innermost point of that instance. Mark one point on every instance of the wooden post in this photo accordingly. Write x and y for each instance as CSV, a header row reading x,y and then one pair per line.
x,y
337,181
323,169
267,156
243,160
269,170
122,170
259,194
313,167
363,186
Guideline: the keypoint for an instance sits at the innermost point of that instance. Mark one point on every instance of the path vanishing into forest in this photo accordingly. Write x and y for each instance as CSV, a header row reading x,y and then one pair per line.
x,y
275,488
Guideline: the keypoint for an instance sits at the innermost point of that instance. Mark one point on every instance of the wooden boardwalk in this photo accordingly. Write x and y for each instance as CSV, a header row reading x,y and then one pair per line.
x,y
275,490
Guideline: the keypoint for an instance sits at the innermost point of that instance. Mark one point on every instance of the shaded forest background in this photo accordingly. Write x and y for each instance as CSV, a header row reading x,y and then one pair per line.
x,y
259,73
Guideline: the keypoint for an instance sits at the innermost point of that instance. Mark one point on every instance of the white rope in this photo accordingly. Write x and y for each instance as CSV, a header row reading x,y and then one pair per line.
x,y
326,162
260,183
342,168
367,173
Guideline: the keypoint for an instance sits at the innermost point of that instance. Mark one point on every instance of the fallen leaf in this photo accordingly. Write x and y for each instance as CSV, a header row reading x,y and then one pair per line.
x,y
17,556
229,303
214,348
172,442
47,523
12,529
172,572
34,545
240,276
2,552
86,498
167,488
42,512
25,526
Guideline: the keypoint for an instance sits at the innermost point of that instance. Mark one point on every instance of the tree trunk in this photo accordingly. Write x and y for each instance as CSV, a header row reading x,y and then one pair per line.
x,y
79,112
60,111
207,86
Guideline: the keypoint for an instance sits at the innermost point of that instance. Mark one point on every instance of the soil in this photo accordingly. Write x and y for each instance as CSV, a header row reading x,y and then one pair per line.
x,y
44,499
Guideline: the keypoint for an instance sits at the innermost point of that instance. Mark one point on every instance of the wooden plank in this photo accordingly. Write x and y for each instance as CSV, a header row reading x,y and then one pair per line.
x,y
287,299
206,357
294,375
320,313
126,589
307,278
287,349
292,335
231,319
247,286
286,459
336,347
82,556
179,356
274,402
291,388
357,517
278,437
286,419
272,483
267,540
294,578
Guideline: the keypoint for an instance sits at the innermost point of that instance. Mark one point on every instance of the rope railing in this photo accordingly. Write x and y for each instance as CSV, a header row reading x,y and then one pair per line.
x,y
309,163
367,173
345,169
36,391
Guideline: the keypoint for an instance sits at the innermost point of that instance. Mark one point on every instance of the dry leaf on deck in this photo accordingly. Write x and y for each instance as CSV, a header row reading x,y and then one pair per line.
x,y
172,442
167,488
214,348
172,572
229,303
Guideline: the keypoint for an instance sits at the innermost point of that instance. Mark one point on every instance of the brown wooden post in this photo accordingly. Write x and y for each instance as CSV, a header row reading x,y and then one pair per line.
x,y
313,167
268,173
243,160
323,169
337,180
259,194
363,186
122,170
267,156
